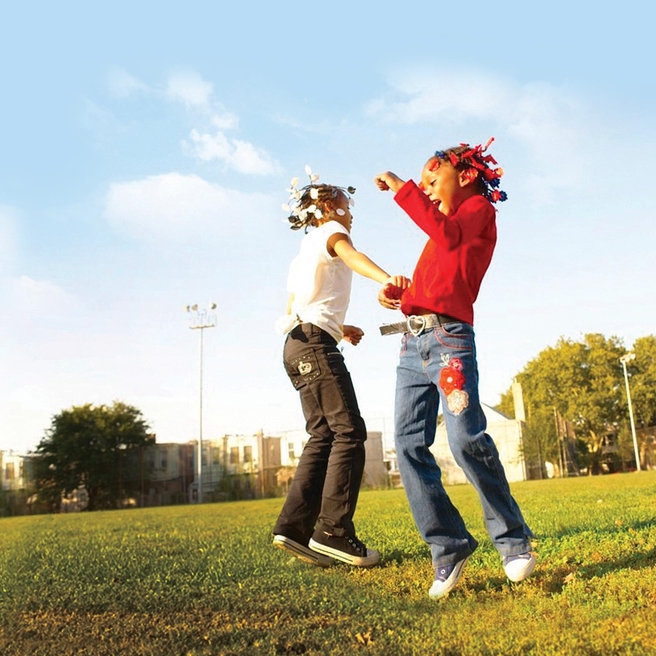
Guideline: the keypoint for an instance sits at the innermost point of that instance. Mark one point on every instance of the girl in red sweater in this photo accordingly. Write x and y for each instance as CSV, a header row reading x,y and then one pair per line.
x,y
453,206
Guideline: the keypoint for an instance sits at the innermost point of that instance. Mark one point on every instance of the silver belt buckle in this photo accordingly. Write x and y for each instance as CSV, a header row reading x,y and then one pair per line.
x,y
419,319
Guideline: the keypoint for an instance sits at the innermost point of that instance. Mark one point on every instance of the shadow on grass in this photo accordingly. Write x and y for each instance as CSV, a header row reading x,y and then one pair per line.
x,y
568,531
400,556
561,575
554,580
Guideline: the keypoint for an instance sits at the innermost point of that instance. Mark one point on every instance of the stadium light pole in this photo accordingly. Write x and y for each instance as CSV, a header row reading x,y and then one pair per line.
x,y
624,359
201,318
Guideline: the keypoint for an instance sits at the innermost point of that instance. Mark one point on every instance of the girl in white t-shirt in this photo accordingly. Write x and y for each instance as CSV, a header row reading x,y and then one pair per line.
x,y
316,521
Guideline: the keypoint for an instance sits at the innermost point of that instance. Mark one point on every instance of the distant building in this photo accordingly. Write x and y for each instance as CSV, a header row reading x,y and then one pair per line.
x,y
16,483
230,467
256,466
13,471
169,473
376,470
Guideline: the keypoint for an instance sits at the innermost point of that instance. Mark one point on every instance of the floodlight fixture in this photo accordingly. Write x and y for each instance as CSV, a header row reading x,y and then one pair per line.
x,y
200,320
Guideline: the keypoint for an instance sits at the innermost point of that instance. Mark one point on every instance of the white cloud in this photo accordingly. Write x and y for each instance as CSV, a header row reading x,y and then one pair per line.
x,y
240,155
249,159
43,296
224,121
189,88
208,147
443,95
195,93
554,130
122,84
186,87
180,208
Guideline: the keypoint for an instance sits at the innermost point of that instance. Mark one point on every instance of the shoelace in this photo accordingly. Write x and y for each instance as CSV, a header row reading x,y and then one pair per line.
x,y
356,544
510,559
443,573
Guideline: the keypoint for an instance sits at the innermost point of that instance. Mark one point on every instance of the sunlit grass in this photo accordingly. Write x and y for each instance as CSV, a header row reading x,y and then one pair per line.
x,y
190,580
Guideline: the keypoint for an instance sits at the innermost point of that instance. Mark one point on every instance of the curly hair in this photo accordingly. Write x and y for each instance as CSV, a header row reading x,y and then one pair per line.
x,y
472,158
310,203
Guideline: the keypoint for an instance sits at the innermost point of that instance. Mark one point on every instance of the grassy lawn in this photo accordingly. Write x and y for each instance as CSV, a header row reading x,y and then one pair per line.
x,y
191,581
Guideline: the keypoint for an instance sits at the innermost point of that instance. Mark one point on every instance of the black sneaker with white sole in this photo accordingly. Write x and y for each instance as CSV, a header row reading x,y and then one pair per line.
x,y
301,551
346,548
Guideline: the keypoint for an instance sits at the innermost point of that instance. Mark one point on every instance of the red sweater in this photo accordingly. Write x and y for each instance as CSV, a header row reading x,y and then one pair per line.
x,y
451,267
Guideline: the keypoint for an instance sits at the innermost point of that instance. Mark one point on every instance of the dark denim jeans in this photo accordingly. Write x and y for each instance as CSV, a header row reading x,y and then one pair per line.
x,y
325,489
439,366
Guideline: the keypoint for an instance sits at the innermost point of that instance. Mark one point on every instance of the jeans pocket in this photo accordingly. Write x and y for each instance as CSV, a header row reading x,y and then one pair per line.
x,y
455,336
303,370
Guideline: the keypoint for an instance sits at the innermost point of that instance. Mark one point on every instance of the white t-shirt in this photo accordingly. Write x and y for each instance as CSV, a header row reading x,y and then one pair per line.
x,y
320,283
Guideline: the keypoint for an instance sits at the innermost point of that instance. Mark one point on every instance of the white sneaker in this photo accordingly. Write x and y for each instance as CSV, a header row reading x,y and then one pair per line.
x,y
446,579
520,566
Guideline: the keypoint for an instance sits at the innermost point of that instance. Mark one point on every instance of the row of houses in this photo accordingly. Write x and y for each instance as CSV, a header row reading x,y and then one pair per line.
x,y
240,467
255,466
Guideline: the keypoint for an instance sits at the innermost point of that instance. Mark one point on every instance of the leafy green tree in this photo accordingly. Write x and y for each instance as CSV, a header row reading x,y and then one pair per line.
x,y
581,381
598,406
643,381
98,447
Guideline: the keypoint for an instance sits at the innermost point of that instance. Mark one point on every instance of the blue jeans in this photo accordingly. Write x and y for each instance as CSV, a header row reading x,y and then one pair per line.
x,y
439,365
324,492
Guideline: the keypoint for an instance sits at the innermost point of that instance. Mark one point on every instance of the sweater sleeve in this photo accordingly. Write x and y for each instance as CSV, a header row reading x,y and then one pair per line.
x,y
466,224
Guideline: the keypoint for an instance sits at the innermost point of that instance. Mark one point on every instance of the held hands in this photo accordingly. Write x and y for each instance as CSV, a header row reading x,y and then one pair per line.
x,y
389,297
352,334
388,181
390,294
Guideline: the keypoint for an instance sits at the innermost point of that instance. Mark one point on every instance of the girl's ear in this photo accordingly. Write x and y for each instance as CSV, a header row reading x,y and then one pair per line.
x,y
467,177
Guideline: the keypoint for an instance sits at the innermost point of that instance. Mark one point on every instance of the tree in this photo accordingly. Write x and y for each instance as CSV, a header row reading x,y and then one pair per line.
x,y
98,447
580,381
643,381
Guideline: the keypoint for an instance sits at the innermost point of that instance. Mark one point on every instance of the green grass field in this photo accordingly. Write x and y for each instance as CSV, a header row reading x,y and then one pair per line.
x,y
190,580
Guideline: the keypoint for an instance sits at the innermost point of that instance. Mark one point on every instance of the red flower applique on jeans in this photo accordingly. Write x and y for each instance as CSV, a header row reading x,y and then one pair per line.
x,y
452,381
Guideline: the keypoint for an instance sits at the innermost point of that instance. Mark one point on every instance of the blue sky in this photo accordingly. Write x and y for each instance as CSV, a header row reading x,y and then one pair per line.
x,y
146,149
